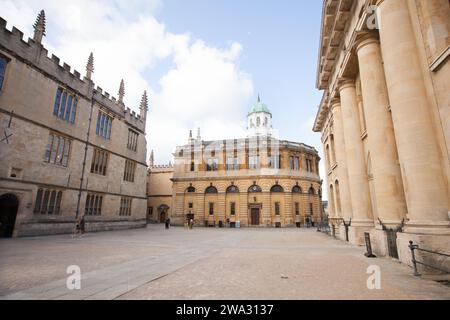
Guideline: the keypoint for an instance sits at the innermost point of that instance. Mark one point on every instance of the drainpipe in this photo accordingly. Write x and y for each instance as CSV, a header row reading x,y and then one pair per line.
x,y
85,150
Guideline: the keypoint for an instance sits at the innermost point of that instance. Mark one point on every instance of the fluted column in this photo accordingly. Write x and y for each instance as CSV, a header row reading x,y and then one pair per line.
x,y
344,189
388,185
356,166
418,151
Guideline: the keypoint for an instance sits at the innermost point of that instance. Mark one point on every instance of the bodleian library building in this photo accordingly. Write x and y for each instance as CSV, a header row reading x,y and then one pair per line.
x,y
257,181
67,149
384,71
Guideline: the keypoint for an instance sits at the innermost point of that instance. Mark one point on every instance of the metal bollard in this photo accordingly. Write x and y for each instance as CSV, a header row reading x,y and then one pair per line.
x,y
413,255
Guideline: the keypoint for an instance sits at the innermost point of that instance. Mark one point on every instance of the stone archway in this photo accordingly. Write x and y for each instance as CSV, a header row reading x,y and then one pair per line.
x,y
9,205
163,213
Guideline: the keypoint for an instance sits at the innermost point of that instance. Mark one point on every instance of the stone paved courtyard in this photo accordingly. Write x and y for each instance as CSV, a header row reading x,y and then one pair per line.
x,y
202,263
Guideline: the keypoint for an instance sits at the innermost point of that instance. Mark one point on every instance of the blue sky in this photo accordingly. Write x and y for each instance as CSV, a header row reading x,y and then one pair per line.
x,y
280,42
203,62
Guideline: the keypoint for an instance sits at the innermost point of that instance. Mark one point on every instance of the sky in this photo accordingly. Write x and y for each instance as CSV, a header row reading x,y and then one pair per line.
x,y
203,62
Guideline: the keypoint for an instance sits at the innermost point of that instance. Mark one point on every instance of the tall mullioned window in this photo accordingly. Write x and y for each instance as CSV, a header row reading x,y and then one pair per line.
x,y
232,163
58,150
93,205
99,162
212,164
254,162
132,140
130,169
211,208
275,162
65,106
125,206
297,208
233,208
309,165
48,202
3,63
277,208
104,125
295,163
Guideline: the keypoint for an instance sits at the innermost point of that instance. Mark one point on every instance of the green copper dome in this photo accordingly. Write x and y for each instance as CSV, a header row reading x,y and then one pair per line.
x,y
259,107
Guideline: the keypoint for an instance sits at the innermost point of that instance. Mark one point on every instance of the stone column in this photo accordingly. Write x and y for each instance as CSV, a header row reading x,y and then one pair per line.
x,y
344,190
418,151
356,166
388,185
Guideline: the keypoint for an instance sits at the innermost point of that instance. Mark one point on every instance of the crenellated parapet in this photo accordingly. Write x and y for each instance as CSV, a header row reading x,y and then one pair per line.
x,y
34,54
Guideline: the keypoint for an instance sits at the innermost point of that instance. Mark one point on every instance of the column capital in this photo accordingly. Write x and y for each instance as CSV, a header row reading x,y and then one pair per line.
x,y
366,38
346,83
335,103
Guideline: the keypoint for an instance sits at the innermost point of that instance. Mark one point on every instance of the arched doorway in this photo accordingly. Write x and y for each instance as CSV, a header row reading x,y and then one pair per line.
x,y
9,204
163,213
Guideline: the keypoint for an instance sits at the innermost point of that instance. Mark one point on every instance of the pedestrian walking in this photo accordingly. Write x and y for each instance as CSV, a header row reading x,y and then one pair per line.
x,y
191,224
82,226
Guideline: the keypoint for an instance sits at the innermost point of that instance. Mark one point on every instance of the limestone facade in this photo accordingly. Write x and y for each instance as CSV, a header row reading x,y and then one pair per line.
x,y
67,145
159,192
256,181
385,120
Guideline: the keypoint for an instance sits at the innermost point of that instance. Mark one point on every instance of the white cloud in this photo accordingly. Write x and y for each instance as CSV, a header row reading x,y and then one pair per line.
x,y
204,87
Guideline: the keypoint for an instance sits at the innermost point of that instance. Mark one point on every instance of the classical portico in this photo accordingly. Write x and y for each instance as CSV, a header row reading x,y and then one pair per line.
x,y
384,110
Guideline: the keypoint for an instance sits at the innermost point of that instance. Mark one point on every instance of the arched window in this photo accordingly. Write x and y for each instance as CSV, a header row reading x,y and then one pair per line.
x,y
266,121
233,189
277,189
191,189
258,121
296,189
254,189
312,191
211,190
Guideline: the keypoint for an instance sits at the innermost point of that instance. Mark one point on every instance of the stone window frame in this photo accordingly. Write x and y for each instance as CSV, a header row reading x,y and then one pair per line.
x,y
129,171
93,204
211,190
297,208
190,189
125,206
212,164
65,105
133,138
104,125
254,189
99,163
58,150
232,189
48,201
233,208
277,208
277,189
3,72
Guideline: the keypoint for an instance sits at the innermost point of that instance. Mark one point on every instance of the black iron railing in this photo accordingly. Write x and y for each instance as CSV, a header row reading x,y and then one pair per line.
x,y
415,262
323,227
